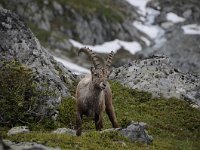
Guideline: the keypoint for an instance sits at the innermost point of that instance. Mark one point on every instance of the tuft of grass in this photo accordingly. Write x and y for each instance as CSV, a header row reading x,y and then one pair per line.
x,y
66,115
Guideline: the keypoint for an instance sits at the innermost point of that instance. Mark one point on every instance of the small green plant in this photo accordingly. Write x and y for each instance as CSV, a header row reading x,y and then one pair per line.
x,y
66,115
20,98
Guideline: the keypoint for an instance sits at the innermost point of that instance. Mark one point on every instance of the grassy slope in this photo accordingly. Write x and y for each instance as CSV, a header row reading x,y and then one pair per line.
x,y
172,123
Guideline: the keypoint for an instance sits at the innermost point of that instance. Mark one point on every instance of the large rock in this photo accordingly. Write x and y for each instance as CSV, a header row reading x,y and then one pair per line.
x,y
158,76
183,50
188,9
136,132
18,43
86,25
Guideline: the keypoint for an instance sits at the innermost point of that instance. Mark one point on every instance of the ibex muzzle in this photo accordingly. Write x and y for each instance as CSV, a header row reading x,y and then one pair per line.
x,y
93,93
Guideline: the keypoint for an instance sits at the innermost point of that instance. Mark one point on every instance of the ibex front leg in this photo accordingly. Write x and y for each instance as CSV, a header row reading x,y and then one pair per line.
x,y
98,121
78,123
110,109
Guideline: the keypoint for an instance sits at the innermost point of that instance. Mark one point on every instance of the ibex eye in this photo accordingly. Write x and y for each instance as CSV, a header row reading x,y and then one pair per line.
x,y
95,74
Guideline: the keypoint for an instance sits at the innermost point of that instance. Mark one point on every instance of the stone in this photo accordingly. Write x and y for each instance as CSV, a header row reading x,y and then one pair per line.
x,y
18,43
8,145
167,25
187,13
136,132
65,131
58,7
18,130
158,76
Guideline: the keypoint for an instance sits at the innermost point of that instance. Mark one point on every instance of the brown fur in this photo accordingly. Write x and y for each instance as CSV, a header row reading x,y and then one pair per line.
x,y
93,97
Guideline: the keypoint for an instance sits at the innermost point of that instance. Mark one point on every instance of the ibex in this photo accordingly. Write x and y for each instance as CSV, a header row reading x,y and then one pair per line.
x,y
94,95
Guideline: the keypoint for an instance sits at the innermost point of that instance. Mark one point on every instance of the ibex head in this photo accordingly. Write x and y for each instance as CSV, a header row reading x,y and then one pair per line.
x,y
100,73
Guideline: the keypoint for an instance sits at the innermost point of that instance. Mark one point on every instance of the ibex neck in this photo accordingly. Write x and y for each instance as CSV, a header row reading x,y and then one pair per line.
x,y
94,90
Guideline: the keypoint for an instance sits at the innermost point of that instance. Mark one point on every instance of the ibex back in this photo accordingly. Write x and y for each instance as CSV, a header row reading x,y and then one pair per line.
x,y
94,95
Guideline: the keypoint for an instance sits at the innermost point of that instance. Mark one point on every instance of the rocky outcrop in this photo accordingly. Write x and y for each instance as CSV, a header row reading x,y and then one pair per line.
x,y
18,43
158,76
188,9
183,50
89,25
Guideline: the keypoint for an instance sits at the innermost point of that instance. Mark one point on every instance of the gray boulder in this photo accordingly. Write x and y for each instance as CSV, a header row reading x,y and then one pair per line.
x,y
61,18
18,43
17,130
65,131
183,51
158,76
136,131
8,145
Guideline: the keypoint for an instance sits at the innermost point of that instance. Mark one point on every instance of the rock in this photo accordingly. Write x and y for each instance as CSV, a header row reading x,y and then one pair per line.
x,y
65,131
167,25
182,50
18,43
17,130
3,145
187,14
58,7
158,76
8,145
136,132
189,9
88,28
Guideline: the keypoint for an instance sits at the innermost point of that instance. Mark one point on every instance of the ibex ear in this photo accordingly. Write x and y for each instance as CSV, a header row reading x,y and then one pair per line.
x,y
92,69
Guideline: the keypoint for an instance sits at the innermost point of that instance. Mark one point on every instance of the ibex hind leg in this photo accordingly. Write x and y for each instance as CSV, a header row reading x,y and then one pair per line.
x,y
98,122
78,123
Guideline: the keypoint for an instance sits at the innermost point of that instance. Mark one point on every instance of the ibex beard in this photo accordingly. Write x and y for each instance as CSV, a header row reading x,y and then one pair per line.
x,y
94,95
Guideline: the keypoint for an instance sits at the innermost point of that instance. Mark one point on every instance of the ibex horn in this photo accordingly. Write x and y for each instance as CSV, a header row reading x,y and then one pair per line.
x,y
109,59
92,55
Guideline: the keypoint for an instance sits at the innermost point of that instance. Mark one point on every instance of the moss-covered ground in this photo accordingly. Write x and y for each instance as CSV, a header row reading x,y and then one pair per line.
x,y
173,123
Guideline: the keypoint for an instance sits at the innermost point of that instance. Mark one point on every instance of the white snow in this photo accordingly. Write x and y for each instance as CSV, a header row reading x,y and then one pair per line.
x,y
107,47
191,29
151,30
151,15
174,18
140,4
73,67
147,42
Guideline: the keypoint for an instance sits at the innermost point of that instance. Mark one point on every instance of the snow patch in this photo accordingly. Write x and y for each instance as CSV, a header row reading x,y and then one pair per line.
x,y
174,18
151,30
140,4
73,67
191,29
147,42
151,15
107,47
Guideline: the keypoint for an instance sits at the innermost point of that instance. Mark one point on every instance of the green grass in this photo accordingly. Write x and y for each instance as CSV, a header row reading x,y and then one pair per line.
x,y
172,123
